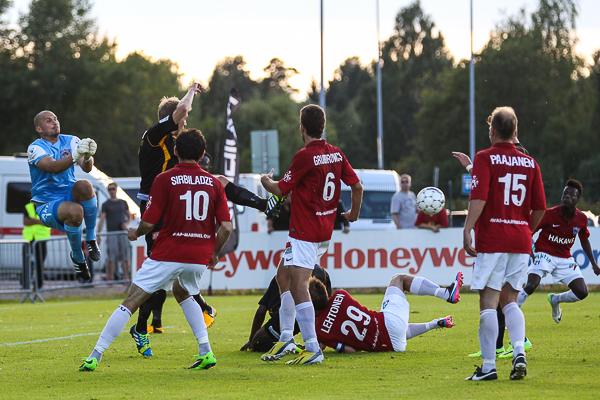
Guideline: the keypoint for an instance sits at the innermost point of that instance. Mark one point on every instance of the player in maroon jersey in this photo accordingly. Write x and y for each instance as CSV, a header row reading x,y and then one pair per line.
x,y
347,326
189,200
507,202
315,177
558,229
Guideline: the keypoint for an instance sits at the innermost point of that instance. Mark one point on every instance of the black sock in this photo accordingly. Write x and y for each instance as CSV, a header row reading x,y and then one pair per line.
x,y
143,315
501,328
200,300
159,300
242,196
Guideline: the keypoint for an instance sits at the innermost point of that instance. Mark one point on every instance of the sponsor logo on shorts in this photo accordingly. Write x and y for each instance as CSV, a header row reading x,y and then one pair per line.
x,y
385,303
288,248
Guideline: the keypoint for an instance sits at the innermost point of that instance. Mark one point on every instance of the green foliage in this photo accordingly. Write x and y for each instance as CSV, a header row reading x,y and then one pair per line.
x,y
433,364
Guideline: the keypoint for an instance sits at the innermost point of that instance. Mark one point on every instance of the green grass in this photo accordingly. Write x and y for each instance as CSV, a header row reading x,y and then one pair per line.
x,y
564,361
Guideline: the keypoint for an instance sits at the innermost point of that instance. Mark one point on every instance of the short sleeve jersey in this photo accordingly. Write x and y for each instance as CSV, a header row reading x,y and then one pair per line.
x,y
315,176
47,186
511,184
189,200
440,218
348,322
116,214
157,152
558,235
405,205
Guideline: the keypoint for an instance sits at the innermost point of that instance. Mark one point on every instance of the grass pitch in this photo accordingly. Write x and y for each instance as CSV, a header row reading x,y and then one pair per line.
x,y
41,346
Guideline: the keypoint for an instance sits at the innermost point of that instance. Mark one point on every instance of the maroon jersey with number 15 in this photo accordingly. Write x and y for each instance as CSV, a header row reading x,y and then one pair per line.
x,y
315,176
345,321
190,200
511,184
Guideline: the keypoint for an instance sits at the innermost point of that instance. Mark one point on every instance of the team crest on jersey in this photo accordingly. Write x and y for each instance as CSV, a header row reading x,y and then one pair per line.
x,y
65,152
576,230
385,303
474,182
287,177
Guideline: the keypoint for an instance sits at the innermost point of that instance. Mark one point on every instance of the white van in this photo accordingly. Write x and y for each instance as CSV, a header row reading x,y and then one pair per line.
x,y
15,182
379,186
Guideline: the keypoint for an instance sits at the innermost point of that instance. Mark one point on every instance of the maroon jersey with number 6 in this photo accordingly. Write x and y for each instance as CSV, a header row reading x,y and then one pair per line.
x,y
557,236
190,200
511,184
348,322
315,176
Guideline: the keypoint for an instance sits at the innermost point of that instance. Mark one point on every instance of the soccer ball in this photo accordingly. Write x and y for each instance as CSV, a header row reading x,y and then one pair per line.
x,y
431,200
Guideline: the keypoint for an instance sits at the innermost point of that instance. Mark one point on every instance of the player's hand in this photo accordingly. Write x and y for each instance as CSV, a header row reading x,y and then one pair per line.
x,y
463,158
195,88
350,217
92,147
132,234
346,229
435,228
214,259
596,269
82,147
467,244
246,346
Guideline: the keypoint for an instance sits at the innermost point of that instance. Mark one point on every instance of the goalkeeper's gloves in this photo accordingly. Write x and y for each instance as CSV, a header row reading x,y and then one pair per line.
x,y
82,147
92,149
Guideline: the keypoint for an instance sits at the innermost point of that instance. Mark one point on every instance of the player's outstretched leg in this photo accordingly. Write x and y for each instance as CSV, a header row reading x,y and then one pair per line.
x,y
424,287
556,311
419,329
114,326
83,193
242,196
193,314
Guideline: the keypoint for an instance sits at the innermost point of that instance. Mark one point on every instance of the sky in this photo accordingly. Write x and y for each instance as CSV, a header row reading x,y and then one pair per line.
x,y
197,34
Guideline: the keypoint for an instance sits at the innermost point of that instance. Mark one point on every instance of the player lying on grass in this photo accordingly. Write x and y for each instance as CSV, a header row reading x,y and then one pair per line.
x,y
347,326
192,204
559,227
262,338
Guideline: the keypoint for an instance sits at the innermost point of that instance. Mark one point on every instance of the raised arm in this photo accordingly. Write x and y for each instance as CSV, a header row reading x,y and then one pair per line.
x,y
185,105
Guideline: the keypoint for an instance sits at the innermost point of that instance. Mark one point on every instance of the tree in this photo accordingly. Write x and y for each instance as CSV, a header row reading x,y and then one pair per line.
x,y
277,77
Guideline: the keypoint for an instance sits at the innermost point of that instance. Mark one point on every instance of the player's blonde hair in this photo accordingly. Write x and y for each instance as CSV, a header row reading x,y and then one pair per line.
x,y
166,106
504,121
318,294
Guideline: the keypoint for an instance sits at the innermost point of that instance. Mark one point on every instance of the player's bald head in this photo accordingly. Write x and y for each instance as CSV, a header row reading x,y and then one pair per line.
x,y
37,121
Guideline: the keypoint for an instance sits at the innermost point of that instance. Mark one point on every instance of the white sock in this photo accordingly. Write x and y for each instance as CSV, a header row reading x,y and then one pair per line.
x,y
114,326
521,298
305,315
515,323
287,317
566,297
424,287
488,333
419,329
193,315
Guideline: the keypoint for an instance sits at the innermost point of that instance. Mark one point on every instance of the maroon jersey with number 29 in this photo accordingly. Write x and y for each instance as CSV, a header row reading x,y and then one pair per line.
x,y
315,176
189,200
348,322
511,184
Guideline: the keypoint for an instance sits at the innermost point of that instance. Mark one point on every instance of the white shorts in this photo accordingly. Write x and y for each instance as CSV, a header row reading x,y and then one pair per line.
x,y
395,309
563,270
303,254
155,275
495,269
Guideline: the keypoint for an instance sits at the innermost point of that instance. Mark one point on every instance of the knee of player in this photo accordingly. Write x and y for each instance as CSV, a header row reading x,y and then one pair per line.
x,y
581,292
84,189
398,280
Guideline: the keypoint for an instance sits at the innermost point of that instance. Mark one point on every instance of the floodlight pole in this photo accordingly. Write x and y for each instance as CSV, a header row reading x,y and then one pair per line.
x,y
472,95
322,91
379,108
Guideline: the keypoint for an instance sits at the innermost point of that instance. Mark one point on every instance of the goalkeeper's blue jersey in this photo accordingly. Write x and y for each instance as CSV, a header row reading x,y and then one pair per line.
x,y
47,186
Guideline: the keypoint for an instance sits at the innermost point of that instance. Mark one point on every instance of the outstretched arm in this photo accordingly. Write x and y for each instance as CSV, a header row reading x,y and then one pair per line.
x,y
587,248
464,159
259,318
270,185
185,105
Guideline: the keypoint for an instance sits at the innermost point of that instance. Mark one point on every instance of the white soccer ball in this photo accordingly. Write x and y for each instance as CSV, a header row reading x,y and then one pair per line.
x,y
431,200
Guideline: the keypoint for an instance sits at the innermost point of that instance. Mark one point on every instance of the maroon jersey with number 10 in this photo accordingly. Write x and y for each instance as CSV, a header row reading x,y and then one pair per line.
x,y
315,176
511,184
348,322
190,200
